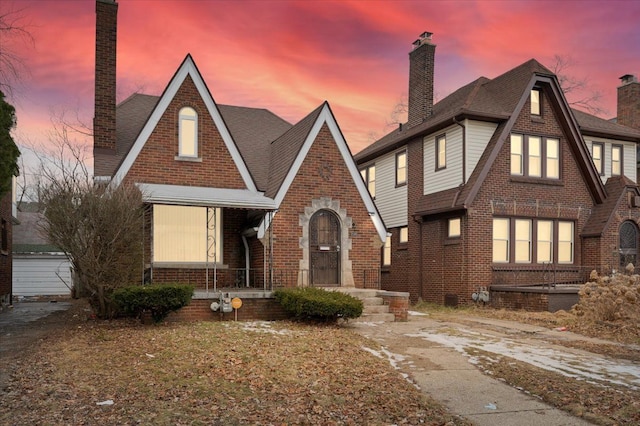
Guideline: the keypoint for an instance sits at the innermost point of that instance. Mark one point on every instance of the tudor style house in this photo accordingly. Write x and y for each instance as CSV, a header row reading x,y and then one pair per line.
x,y
235,196
501,191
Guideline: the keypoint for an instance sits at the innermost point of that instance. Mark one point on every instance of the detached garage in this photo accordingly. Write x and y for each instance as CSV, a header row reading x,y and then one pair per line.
x,y
41,275
39,269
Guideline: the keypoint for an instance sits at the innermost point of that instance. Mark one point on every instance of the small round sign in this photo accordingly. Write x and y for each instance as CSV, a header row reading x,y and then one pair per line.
x,y
236,303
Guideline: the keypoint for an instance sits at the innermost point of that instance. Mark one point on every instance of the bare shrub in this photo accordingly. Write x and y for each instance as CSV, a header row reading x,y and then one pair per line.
x,y
609,299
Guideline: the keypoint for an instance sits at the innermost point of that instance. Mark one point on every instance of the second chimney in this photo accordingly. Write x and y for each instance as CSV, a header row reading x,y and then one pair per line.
x,y
629,102
104,119
421,65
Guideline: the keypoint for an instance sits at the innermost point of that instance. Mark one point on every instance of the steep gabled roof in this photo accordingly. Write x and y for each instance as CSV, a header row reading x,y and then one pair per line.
x,y
289,151
187,69
601,215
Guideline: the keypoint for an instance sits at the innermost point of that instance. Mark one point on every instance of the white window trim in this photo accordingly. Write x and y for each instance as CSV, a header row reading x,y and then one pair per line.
x,y
181,143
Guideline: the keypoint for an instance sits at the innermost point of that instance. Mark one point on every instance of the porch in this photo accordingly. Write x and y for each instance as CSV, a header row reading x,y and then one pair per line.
x,y
545,287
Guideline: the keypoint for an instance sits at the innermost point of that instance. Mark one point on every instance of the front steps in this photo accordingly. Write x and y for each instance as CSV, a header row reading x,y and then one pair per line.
x,y
375,310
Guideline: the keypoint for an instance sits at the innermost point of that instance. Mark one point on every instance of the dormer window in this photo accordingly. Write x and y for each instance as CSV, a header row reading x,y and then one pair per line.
x,y
535,102
188,133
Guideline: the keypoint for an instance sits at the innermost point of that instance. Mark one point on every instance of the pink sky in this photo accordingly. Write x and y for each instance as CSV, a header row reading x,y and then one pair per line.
x,y
290,56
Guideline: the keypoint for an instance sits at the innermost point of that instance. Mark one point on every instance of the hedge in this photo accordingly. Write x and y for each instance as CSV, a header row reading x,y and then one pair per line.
x,y
159,299
316,304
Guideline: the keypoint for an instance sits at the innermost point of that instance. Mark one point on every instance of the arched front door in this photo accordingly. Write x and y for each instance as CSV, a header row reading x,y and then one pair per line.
x,y
324,248
628,244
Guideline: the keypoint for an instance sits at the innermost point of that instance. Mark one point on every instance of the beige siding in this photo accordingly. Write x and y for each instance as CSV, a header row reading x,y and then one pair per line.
x,y
391,201
628,159
451,176
478,135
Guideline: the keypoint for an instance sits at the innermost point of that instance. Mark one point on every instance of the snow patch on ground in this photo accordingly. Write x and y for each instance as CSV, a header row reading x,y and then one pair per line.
x,y
417,314
579,366
263,327
394,360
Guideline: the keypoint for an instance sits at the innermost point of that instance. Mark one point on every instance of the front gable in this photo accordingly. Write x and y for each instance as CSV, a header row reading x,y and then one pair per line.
x,y
331,173
154,157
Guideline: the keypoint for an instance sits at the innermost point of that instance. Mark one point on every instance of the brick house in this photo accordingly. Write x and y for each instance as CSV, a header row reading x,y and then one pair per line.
x,y
235,197
7,218
501,191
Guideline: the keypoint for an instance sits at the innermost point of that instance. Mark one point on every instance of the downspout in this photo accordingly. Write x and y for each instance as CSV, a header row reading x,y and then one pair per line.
x,y
246,259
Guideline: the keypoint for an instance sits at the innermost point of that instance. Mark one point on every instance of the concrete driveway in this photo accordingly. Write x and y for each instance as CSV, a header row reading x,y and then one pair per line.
x,y
431,353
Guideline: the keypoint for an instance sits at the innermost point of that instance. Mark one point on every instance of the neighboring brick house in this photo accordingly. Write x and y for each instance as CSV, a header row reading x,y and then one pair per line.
x,y
500,187
7,216
235,196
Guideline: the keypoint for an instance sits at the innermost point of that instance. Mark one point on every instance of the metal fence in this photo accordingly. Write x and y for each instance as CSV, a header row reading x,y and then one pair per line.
x,y
545,275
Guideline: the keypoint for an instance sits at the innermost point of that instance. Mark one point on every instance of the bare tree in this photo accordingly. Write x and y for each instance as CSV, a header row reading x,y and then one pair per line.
x,y
14,36
98,227
577,89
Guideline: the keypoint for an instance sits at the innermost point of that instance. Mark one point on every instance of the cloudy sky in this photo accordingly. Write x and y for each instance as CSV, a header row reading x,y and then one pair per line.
x,y
290,56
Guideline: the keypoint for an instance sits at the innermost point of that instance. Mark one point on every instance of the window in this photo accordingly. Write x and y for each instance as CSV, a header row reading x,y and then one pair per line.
x,y
523,241
534,241
534,156
453,228
545,241
441,152
501,240
535,102
404,235
616,160
5,237
565,242
386,252
369,177
188,133
401,168
597,153
180,234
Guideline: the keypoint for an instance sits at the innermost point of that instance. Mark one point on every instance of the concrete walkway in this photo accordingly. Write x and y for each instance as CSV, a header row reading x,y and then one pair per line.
x,y
450,378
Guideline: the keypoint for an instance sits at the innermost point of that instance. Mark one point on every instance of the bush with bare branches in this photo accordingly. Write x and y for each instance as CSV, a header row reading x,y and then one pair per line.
x,y
610,299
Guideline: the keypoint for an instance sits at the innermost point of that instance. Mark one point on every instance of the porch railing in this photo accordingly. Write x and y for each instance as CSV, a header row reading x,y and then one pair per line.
x,y
546,275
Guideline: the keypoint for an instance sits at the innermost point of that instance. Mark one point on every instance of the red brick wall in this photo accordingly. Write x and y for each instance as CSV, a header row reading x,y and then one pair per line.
x,y
309,185
533,302
252,309
156,162
398,305
571,200
394,277
610,240
415,266
6,257
629,105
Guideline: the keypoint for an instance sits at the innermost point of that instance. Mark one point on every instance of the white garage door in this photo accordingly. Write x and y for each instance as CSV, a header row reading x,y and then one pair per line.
x,y
40,275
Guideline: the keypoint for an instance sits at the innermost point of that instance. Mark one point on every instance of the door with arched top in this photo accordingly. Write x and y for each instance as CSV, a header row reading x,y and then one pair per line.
x,y
324,248
628,246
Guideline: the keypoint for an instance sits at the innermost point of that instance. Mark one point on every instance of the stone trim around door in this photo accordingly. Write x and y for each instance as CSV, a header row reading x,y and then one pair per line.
x,y
346,268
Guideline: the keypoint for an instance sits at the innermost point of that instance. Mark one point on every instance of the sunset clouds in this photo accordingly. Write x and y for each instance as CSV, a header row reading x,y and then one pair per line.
x,y
290,56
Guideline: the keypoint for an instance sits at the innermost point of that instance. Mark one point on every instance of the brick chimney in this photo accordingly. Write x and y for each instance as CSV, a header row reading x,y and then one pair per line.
x,y
421,63
629,101
104,120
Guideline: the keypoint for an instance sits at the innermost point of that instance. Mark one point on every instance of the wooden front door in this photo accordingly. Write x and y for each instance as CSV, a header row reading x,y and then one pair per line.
x,y
324,248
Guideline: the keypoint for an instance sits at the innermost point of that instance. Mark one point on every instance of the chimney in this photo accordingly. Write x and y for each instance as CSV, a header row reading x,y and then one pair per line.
x,y
104,120
421,62
629,101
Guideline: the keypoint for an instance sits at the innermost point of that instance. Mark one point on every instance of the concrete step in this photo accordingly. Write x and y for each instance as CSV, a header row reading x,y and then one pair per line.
x,y
376,318
375,309
372,301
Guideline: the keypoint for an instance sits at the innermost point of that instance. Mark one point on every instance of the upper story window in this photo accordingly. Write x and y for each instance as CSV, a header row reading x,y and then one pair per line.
x,y
369,176
453,227
597,154
535,156
188,133
616,160
441,152
404,235
401,168
535,102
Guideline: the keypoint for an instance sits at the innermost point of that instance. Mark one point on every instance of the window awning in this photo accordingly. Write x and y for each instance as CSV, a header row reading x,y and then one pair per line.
x,y
203,196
